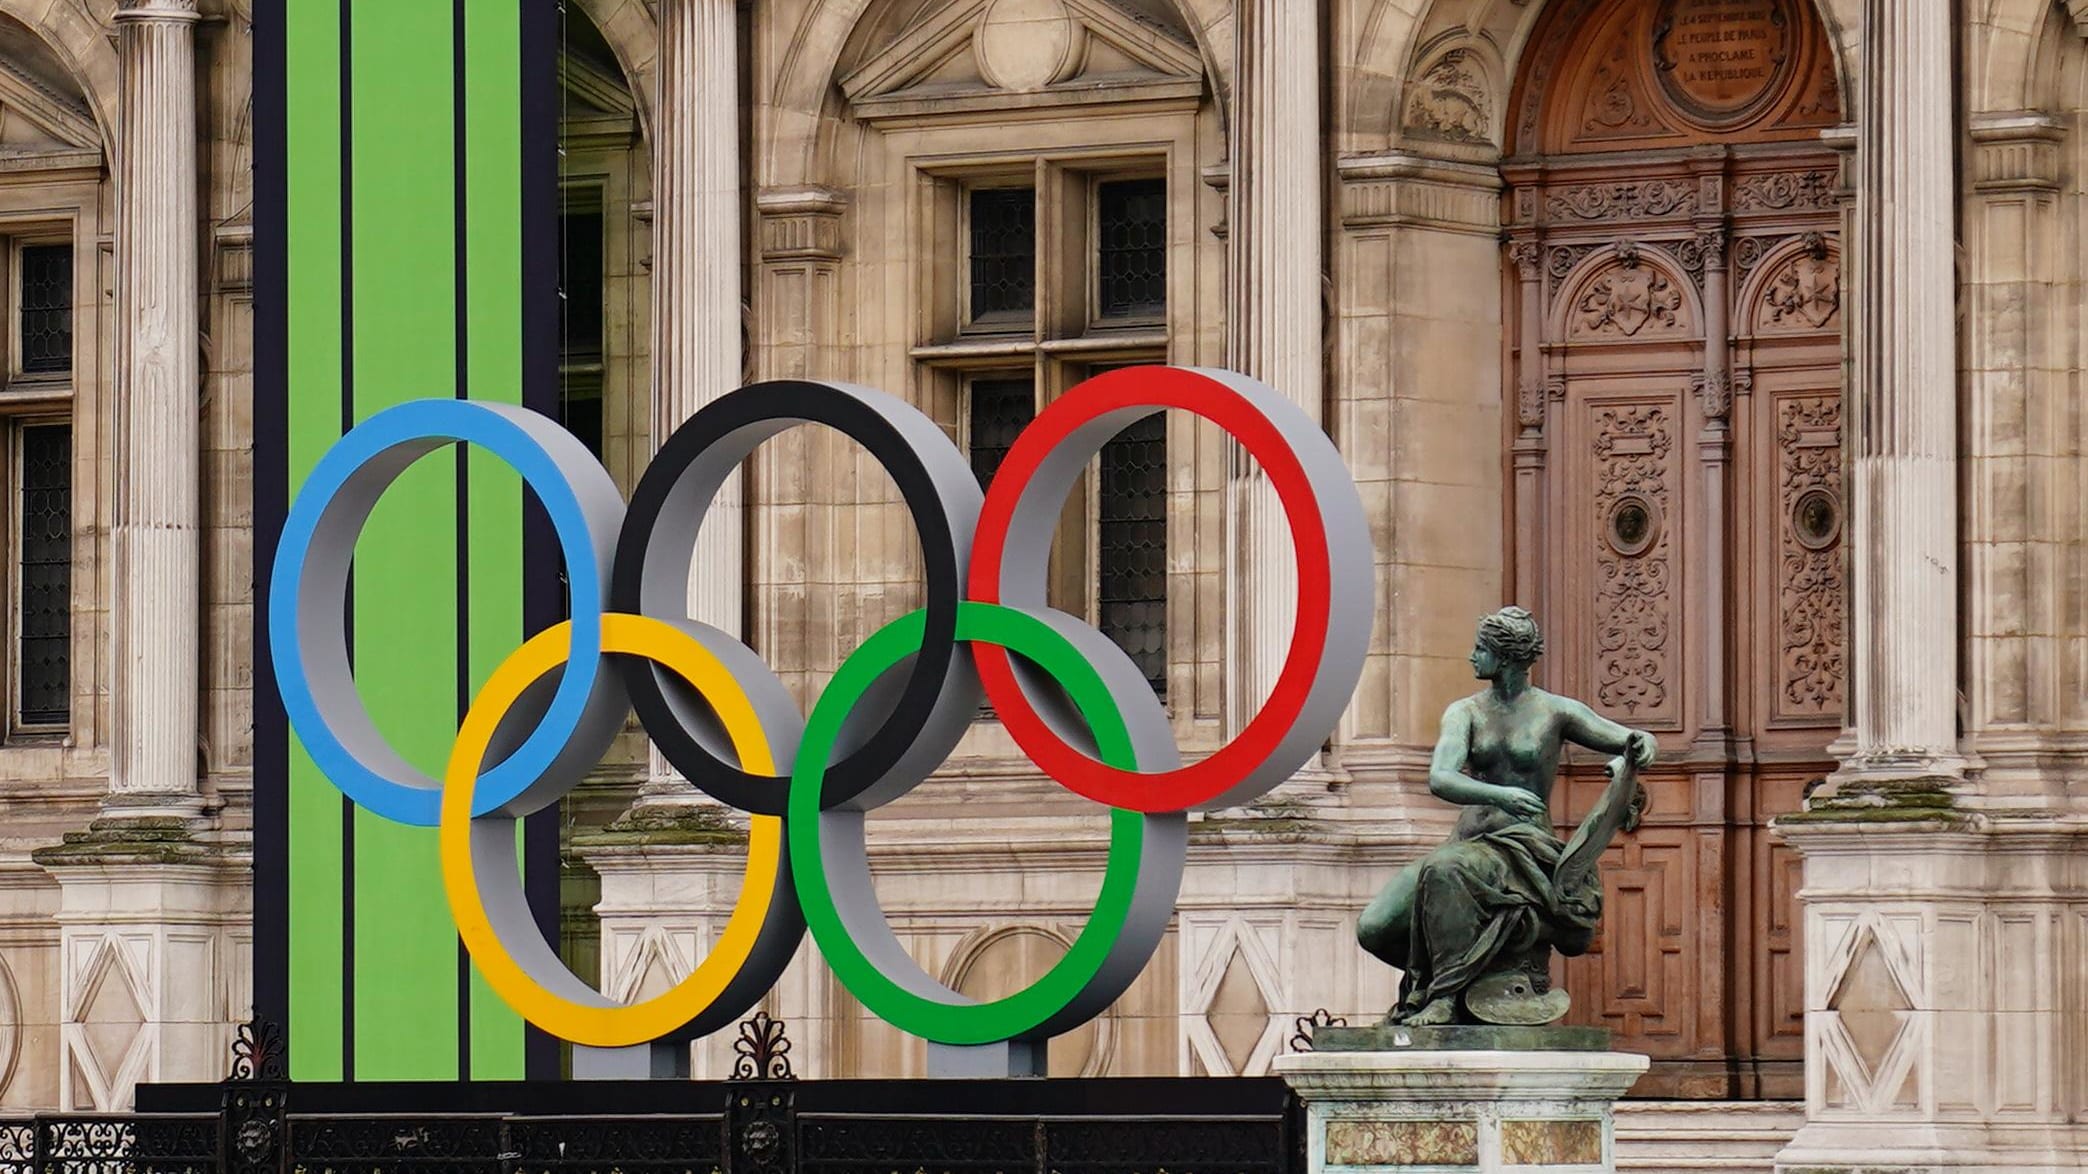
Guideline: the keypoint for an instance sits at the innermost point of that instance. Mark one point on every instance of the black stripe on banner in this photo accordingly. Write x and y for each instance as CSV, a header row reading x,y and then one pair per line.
x,y
271,413
348,422
543,601
462,300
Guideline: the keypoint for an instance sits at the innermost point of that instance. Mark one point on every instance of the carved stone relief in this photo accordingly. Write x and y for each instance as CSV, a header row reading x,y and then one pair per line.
x,y
1720,62
1634,200
1804,293
1810,589
1616,106
1633,592
1450,100
1561,259
1783,191
1625,299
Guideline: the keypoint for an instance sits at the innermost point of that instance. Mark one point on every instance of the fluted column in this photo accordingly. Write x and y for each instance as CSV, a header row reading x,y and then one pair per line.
x,y
157,540
696,315
1903,475
1276,333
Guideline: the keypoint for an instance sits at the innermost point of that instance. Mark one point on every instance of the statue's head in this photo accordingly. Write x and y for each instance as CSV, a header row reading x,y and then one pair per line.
x,y
1507,639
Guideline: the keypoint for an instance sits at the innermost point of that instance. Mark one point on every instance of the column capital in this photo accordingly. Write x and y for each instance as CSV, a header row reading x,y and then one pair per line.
x,y
158,11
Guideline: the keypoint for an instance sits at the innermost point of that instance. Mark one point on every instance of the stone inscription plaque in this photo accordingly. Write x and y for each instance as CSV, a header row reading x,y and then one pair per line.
x,y
1721,59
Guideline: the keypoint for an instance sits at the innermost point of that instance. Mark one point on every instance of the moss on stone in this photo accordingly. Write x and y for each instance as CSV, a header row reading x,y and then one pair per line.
x,y
667,824
1881,803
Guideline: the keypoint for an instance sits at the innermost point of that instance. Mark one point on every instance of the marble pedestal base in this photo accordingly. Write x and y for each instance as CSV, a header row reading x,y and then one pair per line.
x,y
1394,1112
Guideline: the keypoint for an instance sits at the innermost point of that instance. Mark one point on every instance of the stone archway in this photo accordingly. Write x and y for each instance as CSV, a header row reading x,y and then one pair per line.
x,y
79,41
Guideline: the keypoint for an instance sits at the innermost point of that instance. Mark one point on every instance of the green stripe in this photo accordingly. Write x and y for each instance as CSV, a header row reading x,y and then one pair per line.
x,y
493,329
405,566
405,607
312,162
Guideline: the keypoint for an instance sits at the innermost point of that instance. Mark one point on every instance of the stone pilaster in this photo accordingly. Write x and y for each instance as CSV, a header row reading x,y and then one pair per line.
x,y
157,540
1277,333
1903,475
1714,390
696,306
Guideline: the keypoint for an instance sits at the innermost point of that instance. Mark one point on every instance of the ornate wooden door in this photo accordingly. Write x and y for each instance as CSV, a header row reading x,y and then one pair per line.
x,y
1675,453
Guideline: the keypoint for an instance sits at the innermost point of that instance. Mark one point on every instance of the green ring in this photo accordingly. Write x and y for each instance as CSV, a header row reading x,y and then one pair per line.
x,y
955,1018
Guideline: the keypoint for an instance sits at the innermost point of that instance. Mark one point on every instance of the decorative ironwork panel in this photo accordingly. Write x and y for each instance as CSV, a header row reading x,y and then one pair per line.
x,y
1132,546
137,1144
1183,1146
1131,248
1003,252
1000,410
47,309
571,1145
45,653
17,1146
385,1145
917,1145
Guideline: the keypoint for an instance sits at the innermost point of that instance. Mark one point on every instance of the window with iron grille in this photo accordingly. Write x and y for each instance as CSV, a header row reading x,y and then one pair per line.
x,y
580,316
1000,410
46,309
43,646
1131,248
1131,541
1003,254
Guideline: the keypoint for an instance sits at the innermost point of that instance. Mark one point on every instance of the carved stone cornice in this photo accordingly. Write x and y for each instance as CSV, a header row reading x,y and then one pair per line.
x,y
2016,151
801,223
1401,188
2078,9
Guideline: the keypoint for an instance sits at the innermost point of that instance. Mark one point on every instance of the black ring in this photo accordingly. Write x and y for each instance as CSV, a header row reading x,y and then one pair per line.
x,y
930,702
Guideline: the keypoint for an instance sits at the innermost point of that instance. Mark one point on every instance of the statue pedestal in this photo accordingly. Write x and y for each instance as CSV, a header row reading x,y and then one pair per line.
x,y
1435,1099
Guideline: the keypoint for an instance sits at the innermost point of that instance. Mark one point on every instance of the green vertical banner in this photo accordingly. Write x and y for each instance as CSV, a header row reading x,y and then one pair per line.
x,y
406,177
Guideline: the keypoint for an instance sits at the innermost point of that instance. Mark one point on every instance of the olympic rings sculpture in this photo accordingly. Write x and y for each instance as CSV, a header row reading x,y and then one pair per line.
x,y
894,711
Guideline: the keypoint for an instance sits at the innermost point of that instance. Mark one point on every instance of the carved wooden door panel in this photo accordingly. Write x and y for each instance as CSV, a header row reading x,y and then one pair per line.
x,y
1675,456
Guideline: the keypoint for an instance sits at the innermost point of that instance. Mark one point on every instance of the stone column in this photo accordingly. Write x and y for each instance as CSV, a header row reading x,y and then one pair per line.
x,y
696,312
152,919
1276,333
1944,1016
1903,478
158,562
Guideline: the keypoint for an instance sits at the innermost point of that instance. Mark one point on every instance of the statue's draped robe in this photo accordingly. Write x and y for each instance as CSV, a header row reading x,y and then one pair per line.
x,y
1484,900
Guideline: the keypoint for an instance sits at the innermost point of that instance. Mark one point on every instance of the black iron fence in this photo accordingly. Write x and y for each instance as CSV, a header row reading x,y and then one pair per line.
x,y
760,1122
1188,1126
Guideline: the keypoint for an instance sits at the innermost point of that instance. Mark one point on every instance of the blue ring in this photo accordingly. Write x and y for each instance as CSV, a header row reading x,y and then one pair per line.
x,y
470,423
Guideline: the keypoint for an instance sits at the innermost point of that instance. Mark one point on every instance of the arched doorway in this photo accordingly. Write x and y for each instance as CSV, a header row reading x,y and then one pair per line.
x,y
1673,297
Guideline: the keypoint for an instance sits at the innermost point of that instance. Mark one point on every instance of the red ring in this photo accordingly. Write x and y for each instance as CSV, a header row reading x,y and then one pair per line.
x,y
1202,781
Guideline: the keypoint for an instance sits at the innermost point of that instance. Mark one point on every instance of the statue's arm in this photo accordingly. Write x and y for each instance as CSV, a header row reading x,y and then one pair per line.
x,y
1585,727
1447,779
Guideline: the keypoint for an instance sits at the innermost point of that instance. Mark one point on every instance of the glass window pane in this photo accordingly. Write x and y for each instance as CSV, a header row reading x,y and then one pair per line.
x,y
580,287
1000,410
45,629
47,318
1003,252
1132,546
1131,224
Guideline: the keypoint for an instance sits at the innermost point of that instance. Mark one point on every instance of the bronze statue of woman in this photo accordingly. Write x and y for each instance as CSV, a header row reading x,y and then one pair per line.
x,y
1473,924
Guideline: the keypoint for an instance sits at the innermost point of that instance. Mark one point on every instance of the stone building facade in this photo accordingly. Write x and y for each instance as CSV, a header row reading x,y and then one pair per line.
x,y
1739,338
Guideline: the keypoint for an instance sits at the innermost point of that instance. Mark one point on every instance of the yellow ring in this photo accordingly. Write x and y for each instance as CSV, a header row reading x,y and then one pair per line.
x,y
600,1021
